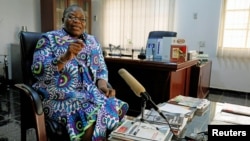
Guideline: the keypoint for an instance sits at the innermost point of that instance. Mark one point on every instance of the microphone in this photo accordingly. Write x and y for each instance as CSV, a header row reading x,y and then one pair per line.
x,y
136,87
140,91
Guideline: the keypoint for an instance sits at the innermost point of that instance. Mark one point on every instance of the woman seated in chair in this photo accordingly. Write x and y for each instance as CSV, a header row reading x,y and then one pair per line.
x,y
72,76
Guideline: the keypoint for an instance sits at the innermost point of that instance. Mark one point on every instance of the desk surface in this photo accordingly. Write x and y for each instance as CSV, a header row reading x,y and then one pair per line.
x,y
159,64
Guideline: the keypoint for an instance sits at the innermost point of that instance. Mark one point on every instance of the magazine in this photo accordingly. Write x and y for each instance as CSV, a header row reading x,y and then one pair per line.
x,y
200,104
138,131
174,119
175,108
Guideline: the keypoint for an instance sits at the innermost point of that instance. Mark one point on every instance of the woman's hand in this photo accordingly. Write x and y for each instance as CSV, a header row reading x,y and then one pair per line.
x,y
109,92
102,85
73,49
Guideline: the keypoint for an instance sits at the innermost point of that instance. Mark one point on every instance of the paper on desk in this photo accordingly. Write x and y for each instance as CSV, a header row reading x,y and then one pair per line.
x,y
174,108
229,117
216,122
232,118
237,108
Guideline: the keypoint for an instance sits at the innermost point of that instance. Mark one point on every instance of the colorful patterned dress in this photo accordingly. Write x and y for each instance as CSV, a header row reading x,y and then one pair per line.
x,y
71,96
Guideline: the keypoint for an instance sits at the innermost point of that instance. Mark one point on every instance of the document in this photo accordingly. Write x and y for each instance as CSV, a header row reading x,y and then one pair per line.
x,y
172,108
136,130
230,117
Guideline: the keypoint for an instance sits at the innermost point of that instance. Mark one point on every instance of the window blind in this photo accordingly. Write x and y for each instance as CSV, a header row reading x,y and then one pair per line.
x,y
128,22
234,37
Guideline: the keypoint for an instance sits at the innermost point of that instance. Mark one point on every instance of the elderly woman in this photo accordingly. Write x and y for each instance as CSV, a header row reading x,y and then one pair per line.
x,y
72,76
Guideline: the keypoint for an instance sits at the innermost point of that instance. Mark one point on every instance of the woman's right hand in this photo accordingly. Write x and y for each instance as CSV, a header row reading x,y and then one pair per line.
x,y
73,49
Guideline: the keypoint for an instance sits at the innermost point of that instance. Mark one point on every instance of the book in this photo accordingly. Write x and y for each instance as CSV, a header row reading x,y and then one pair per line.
x,y
175,108
180,116
178,131
174,119
200,104
111,138
137,131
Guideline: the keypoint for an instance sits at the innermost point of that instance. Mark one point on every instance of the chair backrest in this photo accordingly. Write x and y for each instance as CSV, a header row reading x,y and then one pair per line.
x,y
160,34
28,41
157,50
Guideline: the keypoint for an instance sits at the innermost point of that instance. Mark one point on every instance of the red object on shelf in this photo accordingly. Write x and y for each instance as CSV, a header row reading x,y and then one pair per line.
x,y
178,52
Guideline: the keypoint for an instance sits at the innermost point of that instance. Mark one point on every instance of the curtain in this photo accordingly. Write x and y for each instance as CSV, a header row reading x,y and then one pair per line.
x,y
234,38
128,22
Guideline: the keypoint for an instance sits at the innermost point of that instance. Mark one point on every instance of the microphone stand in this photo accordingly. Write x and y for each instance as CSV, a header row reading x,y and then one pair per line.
x,y
143,107
144,99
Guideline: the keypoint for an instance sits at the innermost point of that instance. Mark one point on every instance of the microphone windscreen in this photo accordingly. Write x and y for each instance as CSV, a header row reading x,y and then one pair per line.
x,y
135,86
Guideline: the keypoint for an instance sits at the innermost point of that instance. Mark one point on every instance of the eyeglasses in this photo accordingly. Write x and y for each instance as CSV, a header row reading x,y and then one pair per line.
x,y
73,18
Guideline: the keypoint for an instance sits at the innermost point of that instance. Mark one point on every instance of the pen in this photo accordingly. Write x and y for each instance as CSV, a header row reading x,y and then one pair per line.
x,y
235,112
130,132
136,131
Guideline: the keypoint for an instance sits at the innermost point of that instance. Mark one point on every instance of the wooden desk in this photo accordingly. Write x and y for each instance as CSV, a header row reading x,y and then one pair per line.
x,y
200,77
161,79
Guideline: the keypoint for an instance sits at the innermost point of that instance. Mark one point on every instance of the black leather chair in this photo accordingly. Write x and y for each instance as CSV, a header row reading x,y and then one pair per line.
x,y
160,34
32,115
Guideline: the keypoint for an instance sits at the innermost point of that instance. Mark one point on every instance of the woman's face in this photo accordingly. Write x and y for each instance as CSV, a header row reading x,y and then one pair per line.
x,y
75,22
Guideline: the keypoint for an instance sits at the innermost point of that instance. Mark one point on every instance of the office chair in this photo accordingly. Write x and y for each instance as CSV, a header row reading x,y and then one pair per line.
x,y
155,49
32,115
160,34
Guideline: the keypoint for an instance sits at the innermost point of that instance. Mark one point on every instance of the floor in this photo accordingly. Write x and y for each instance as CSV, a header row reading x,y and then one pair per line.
x,y
10,108
9,114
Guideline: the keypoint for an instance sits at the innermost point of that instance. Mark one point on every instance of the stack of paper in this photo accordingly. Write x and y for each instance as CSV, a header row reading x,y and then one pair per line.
x,y
137,131
201,104
175,108
152,126
176,120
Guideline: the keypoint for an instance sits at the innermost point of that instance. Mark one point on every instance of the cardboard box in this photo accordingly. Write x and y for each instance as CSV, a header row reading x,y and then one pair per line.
x,y
159,48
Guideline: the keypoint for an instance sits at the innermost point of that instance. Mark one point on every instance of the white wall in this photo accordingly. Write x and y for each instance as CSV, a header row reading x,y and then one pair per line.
x,y
229,74
226,74
13,15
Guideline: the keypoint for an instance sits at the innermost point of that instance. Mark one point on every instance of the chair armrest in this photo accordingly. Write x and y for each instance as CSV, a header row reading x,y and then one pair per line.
x,y
33,95
29,91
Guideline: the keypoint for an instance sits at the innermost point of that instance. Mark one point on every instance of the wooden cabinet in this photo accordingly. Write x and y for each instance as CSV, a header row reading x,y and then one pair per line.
x,y
200,80
52,13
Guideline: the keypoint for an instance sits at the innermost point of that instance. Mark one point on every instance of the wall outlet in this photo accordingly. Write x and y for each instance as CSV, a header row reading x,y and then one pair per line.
x,y
195,15
202,44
